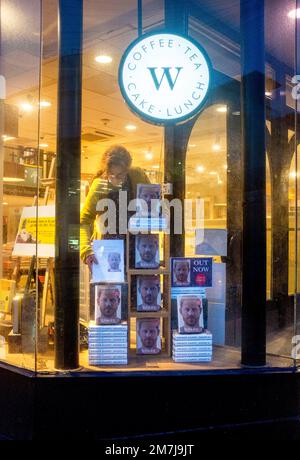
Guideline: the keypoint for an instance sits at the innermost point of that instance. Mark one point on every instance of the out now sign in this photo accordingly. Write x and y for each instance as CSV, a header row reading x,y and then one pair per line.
x,y
165,78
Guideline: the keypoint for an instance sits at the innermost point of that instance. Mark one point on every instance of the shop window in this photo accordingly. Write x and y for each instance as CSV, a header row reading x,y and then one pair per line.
x,y
133,315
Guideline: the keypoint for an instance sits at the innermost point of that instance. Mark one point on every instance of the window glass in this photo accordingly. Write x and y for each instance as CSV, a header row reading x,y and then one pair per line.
x,y
20,170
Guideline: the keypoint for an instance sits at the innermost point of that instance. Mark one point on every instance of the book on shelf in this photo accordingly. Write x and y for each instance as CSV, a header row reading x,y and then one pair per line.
x,y
148,336
148,293
108,329
108,361
108,304
192,337
192,360
111,262
147,251
190,314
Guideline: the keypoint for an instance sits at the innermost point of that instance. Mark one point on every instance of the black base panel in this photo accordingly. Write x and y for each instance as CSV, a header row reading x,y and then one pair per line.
x,y
141,406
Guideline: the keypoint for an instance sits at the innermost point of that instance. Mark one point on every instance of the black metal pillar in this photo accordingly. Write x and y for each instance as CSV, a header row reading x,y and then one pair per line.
x,y
176,137
68,185
254,155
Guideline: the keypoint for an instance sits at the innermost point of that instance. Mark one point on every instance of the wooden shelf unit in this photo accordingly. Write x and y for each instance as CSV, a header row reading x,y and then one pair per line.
x,y
165,312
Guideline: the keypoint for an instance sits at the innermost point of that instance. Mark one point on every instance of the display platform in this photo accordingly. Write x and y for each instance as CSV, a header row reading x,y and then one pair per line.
x,y
67,405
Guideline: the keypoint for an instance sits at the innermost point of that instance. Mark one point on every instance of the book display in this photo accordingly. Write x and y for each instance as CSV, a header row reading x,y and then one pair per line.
x,y
149,275
192,342
146,268
108,345
192,348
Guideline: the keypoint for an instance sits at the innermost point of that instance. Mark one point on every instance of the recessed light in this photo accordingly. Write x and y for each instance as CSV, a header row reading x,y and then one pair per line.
x,y
45,104
26,107
294,14
130,127
216,147
222,109
103,59
149,156
200,169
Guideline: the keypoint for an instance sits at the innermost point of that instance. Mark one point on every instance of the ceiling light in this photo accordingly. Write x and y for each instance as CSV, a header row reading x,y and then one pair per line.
x,y
45,104
44,146
294,14
103,59
213,173
155,166
149,156
192,146
216,147
268,93
4,203
26,107
130,127
222,109
200,169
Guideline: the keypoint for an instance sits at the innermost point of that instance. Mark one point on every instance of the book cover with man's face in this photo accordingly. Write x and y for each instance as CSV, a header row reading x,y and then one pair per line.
x,y
108,304
192,272
148,336
190,314
110,257
148,293
147,251
148,200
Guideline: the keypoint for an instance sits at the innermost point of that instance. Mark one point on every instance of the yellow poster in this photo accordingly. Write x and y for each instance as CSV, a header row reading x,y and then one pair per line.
x,y
36,234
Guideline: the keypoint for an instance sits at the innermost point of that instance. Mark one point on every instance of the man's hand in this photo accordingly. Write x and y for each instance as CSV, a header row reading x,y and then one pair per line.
x,y
90,260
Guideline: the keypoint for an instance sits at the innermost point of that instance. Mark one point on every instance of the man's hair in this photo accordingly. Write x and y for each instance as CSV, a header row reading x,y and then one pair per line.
x,y
183,299
116,155
148,320
114,254
150,237
181,262
142,279
112,290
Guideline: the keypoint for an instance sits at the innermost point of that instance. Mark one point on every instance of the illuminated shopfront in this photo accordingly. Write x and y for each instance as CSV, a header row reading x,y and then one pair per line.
x,y
204,96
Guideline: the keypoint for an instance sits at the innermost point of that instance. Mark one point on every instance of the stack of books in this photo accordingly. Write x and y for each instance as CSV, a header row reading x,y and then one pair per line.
x,y
108,345
192,348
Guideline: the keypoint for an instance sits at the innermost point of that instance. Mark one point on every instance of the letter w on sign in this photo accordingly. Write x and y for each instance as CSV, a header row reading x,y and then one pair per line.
x,y
166,73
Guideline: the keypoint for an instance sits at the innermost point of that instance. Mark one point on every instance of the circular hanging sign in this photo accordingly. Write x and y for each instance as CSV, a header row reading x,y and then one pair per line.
x,y
165,77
